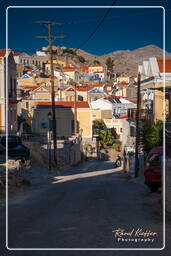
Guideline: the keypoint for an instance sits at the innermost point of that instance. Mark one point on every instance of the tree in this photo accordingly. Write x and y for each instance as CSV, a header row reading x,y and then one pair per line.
x,y
151,135
98,124
96,62
105,138
109,64
69,51
81,59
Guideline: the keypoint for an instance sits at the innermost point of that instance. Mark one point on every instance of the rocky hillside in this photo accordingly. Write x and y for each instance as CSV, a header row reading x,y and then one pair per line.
x,y
126,61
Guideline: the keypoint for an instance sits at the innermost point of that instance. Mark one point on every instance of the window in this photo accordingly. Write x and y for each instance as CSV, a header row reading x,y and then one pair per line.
x,y
27,104
155,159
120,130
44,125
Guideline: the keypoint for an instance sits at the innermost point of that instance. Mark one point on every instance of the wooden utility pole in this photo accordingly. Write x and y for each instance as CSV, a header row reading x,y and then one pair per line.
x,y
75,109
137,127
50,38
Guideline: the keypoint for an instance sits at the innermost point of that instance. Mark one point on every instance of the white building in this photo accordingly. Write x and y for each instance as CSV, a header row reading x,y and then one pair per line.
x,y
8,91
119,106
153,80
126,131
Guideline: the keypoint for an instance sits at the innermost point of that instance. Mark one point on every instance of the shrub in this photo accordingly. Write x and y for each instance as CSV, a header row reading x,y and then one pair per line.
x,y
81,59
69,51
151,135
105,138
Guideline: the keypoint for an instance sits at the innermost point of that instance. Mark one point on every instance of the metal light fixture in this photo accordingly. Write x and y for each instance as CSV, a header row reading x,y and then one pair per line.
x,y
49,115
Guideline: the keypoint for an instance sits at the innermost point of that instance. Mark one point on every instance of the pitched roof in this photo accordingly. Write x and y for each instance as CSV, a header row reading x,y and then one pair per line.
x,y
31,87
17,54
99,72
68,69
133,101
2,52
167,65
63,104
97,85
108,85
84,88
123,117
98,65
85,69
123,83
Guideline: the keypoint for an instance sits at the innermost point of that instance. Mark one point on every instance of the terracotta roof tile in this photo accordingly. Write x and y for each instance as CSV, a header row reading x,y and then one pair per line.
x,y
98,65
31,87
2,52
63,104
167,65
17,54
123,117
68,69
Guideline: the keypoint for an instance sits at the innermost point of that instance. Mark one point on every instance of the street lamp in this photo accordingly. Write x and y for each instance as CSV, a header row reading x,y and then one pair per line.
x,y
49,116
49,139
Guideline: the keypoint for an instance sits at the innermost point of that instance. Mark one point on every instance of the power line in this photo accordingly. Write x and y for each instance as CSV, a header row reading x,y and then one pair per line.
x,y
115,17
97,27
50,38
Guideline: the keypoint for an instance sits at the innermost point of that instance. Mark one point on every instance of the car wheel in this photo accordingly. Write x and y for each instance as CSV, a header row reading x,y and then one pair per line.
x,y
154,188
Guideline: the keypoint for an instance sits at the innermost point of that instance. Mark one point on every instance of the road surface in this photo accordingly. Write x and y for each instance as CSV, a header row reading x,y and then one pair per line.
x,y
80,208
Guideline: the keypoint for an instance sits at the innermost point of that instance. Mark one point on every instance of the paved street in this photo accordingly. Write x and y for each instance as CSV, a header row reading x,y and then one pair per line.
x,y
80,209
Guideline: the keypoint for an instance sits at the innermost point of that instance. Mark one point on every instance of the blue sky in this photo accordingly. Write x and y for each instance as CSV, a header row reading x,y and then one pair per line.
x,y
122,29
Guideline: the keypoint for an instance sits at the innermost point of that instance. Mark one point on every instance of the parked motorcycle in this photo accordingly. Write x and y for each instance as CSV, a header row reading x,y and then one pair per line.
x,y
118,162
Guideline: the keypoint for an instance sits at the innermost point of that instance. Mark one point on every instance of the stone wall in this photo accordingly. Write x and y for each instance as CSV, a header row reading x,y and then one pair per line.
x,y
68,152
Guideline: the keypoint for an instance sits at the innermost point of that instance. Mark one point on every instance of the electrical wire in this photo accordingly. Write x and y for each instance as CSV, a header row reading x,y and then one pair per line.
x,y
96,28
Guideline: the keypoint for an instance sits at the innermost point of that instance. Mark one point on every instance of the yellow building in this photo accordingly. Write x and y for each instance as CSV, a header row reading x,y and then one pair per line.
x,y
96,68
123,79
82,93
65,118
153,78
57,64
35,94
30,79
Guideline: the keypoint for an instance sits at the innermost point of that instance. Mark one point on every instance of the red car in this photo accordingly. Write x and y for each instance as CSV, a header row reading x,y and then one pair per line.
x,y
153,168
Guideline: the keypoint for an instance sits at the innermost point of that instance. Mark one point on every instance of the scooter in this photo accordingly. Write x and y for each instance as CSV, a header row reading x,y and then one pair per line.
x,y
117,163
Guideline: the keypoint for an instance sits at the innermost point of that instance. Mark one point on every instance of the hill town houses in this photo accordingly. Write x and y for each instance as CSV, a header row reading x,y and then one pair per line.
x,y
96,95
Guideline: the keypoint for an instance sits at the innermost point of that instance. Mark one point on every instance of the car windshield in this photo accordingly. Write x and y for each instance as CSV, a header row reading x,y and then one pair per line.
x,y
155,159
12,141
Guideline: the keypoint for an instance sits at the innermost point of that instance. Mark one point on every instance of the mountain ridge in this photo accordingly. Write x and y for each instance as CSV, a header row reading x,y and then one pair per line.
x,y
125,61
